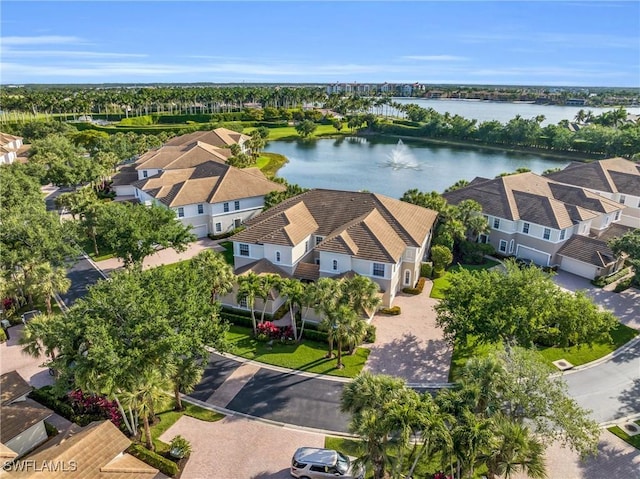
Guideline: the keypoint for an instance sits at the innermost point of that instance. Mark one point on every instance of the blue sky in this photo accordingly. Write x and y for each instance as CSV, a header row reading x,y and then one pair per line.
x,y
582,43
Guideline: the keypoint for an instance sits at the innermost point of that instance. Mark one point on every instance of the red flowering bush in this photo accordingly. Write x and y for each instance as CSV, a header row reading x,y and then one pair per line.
x,y
268,330
95,406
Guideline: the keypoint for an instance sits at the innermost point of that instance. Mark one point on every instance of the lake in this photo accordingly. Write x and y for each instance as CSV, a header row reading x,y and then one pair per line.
x,y
505,111
381,166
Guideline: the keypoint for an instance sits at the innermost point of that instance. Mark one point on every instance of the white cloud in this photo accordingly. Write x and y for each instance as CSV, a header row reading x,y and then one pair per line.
x,y
435,58
71,54
40,40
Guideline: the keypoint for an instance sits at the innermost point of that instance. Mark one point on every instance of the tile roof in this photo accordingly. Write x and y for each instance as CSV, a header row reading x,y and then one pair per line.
x,y
534,198
6,454
261,267
12,387
307,271
20,416
126,175
218,137
588,250
6,138
183,156
614,231
209,182
614,175
96,451
364,225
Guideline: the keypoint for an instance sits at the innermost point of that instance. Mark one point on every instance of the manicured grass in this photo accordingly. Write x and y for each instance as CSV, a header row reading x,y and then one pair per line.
x,y
576,355
228,251
270,163
306,356
580,355
442,283
168,418
633,440
352,447
290,133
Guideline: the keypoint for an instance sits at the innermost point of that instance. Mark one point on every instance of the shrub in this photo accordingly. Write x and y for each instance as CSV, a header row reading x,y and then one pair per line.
x,y
418,289
426,269
164,465
394,311
3,336
51,429
315,335
602,281
45,396
474,253
441,257
371,334
180,447
622,285
268,330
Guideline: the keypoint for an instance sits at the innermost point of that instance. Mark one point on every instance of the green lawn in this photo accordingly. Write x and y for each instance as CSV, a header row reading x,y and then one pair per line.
x,y
168,417
576,355
228,251
290,133
306,356
633,440
442,283
581,355
270,163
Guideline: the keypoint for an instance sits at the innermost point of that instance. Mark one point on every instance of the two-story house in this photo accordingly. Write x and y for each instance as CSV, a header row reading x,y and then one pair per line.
x,y
219,138
535,218
9,146
615,178
329,233
214,198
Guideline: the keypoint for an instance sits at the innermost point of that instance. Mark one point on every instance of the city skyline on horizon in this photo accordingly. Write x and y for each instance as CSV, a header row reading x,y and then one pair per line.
x,y
483,43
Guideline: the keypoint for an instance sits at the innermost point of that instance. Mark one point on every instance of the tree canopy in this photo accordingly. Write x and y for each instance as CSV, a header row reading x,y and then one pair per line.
x,y
519,306
629,244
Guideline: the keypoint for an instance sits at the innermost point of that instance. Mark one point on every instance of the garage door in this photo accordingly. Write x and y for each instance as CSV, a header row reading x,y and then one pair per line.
x,y
200,231
578,268
538,257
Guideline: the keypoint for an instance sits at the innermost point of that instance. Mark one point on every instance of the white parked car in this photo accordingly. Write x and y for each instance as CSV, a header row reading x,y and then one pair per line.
x,y
317,463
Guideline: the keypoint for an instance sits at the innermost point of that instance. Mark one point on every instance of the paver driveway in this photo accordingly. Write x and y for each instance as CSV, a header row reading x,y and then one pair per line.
x,y
239,448
411,345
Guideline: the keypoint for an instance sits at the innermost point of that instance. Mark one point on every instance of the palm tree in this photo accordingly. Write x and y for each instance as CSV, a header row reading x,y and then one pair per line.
x,y
147,394
481,375
349,330
268,283
248,287
188,372
361,294
513,448
470,436
47,281
217,273
294,291
327,294
38,337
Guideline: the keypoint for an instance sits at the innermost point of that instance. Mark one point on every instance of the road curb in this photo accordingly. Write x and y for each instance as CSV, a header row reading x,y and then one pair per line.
x,y
270,422
621,350
95,265
621,420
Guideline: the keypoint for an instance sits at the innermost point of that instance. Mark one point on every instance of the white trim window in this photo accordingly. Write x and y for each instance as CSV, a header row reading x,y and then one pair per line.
x,y
278,256
546,234
503,246
200,209
334,264
218,227
242,302
243,249
180,212
525,228
319,240
562,234
496,223
145,174
511,243
225,207
623,198
378,270
407,277
616,218
236,205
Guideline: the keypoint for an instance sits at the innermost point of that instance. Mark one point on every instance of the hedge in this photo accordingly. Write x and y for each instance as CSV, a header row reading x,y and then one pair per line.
x,y
163,464
602,281
426,269
418,289
45,397
395,311
3,336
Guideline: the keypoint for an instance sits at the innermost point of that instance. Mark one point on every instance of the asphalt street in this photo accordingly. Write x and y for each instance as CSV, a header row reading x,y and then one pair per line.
x,y
82,275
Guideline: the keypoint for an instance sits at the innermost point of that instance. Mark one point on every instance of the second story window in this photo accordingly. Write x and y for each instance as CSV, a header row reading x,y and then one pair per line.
x,y
525,228
236,205
200,209
378,269
547,233
225,207
180,212
335,265
277,256
145,174
562,234
496,223
622,199
244,249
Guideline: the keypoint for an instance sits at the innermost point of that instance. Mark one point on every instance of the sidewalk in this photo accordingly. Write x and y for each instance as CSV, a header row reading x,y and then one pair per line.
x,y
165,256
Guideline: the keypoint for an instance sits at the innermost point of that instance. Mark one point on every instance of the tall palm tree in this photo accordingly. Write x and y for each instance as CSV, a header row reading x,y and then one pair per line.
x,y
147,394
327,296
268,283
470,436
186,376
361,294
512,449
249,286
294,292
217,272
47,281
38,338
349,330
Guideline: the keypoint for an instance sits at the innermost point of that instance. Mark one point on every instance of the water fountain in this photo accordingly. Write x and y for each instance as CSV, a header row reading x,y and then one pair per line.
x,y
401,158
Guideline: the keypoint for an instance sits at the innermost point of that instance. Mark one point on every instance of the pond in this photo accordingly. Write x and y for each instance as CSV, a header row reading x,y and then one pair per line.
x,y
391,168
